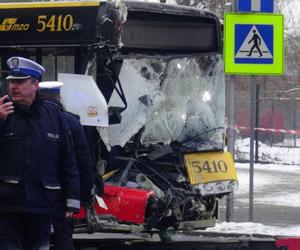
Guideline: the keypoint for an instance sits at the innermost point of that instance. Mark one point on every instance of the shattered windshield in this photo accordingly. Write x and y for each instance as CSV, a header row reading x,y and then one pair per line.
x,y
171,101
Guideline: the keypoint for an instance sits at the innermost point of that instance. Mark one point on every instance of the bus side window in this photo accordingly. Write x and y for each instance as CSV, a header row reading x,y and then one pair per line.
x,y
57,64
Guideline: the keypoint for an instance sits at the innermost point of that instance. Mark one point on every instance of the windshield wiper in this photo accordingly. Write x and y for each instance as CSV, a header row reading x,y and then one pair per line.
x,y
201,135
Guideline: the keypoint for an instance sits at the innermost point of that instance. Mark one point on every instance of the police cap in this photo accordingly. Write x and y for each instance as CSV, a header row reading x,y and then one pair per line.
x,y
50,87
23,68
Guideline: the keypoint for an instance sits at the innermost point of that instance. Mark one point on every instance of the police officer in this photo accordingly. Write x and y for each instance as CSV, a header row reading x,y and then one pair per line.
x,y
37,161
63,227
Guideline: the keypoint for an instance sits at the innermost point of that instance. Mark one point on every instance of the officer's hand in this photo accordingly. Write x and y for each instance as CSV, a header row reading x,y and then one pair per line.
x,y
69,214
6,107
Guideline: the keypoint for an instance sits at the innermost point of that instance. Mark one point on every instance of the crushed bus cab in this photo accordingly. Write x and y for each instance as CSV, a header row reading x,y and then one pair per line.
x,y
147,80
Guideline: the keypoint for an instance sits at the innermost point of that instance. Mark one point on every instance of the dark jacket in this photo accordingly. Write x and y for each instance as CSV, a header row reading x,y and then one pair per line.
x,y
37,160
83,157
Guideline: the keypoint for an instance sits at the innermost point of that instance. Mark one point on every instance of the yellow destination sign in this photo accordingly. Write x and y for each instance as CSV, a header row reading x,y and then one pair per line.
x,y
253,44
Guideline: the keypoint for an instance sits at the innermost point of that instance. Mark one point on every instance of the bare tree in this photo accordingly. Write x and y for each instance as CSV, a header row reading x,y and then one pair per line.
x,y
217,6
292,35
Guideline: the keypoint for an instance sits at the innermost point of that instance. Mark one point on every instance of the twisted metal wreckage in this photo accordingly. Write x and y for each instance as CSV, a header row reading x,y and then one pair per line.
x,y
154,75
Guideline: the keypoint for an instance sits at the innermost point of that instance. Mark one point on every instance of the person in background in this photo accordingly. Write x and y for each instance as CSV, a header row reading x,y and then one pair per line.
x,y
37,161
63,227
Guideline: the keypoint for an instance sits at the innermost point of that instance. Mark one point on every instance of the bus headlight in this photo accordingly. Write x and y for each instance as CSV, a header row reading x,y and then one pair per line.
x,y
220,187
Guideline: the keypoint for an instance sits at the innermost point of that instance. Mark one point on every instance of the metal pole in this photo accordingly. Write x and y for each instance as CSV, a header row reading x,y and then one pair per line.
x,y
230,140
234,5
294,120
252,135
272,135
230,7
256,122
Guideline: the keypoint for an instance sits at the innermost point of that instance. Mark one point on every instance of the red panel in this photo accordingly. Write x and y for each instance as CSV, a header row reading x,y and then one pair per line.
x,y
290,243
126,204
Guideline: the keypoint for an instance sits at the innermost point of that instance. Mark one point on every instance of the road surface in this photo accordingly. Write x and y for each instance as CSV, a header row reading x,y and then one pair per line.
x,y
276,196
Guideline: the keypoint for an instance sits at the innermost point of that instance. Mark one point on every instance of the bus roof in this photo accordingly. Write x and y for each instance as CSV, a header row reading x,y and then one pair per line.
x,y
149,26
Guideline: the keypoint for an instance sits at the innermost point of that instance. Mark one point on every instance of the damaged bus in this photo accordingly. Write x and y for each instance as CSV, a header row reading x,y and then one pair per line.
x,y
147,80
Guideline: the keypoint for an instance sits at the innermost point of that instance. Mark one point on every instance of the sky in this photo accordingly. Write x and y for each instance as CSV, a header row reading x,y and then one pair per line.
x,y
291,13
292,8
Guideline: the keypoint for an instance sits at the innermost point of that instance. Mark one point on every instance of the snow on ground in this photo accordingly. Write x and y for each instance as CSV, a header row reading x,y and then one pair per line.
x,y
284,200
270,167
291,200
276,153
254,228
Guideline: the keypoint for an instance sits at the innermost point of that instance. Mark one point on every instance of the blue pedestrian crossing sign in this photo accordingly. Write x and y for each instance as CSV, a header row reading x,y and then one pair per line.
x,y
253,44
255,6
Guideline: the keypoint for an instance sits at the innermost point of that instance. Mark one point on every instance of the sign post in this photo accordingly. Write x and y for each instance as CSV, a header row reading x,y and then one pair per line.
x,y
253,45
230,7
256,6
252,135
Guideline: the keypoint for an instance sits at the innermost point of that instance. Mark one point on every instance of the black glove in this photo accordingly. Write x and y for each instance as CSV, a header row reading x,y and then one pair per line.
x,y
98,187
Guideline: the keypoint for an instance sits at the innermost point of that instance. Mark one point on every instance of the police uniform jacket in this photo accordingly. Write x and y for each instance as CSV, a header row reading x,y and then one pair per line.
x,y
83,157
37,160
82,153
